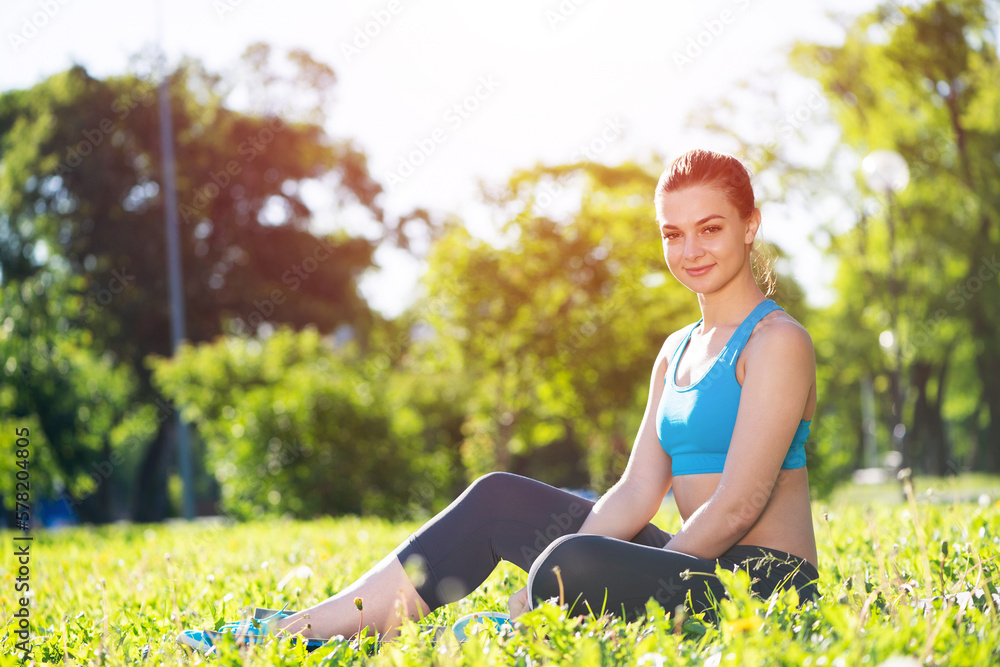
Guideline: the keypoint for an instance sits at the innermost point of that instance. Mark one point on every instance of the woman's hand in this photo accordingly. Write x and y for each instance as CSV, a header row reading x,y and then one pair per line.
x,y
518,603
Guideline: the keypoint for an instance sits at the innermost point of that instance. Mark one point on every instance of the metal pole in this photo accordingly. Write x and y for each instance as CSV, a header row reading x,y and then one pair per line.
x,y
898,429
174,274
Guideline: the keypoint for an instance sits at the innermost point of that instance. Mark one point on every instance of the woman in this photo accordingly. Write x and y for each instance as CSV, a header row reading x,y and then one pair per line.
x,y
730,402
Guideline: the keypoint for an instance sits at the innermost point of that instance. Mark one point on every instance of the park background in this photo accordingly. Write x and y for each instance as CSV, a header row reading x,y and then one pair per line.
x,y
418,244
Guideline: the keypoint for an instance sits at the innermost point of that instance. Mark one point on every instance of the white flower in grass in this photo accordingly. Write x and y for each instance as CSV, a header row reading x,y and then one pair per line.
x,y
713,660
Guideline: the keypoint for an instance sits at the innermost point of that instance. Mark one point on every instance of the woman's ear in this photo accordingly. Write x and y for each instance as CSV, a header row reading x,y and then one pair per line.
x,y
753,224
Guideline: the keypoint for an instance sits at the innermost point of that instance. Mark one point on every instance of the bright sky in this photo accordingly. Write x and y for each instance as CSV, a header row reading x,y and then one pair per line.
x,y
535,80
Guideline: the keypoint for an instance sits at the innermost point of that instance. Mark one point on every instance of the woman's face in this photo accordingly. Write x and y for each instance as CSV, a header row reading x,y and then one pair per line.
x,y
705,242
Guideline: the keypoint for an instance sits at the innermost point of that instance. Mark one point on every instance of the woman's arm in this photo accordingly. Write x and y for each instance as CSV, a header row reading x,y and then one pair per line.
x,y
628,506
780,372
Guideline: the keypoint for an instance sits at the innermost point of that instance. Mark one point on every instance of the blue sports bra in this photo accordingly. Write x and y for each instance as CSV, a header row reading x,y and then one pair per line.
x,y
695,423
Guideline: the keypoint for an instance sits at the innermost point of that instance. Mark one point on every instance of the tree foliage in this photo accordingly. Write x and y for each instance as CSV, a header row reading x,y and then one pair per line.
x,y
920,79
75,400
924,81
531,351
292,426
82,218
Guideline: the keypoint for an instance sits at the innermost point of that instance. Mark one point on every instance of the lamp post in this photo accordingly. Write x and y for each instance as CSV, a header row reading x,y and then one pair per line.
x,y
175,281
886,172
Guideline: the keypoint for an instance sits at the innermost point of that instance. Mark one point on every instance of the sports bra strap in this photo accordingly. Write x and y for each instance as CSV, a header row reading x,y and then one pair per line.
x,y
742,334
683,344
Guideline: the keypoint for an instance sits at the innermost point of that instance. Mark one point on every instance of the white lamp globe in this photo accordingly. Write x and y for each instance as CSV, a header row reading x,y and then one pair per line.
x,y
885,171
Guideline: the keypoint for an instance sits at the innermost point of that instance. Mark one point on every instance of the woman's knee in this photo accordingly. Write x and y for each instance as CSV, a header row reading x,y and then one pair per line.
x,y
568,551
564,566
486,494
495,480
492,487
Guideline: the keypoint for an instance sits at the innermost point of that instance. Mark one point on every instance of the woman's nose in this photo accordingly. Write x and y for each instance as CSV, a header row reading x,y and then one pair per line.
x,y
692,248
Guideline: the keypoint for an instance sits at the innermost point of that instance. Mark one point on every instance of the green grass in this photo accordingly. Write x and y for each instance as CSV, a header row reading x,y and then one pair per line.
x,y
966,487
106,595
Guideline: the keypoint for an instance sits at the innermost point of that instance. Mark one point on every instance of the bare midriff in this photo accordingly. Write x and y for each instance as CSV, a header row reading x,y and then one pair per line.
x,y
785,522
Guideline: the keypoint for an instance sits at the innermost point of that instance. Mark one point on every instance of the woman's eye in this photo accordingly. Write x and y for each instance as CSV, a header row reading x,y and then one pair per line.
x,y
711,229
670,236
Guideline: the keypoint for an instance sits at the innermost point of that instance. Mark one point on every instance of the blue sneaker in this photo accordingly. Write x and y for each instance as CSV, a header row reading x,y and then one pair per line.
x,y
255,630
489,618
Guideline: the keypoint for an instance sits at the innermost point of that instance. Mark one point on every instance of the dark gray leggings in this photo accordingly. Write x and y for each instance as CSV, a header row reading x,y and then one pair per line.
x,y
533,525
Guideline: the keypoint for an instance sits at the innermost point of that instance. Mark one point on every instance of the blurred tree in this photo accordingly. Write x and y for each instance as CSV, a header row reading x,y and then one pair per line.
x,y
293,426
80,187
75,400
427,403
925,81
557,326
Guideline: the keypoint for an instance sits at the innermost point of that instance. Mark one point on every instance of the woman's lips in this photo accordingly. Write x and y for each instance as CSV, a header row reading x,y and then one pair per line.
x,y
699,270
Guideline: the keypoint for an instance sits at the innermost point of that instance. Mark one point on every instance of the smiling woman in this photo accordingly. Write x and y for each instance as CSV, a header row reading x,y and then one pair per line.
x,y
729,369
729,408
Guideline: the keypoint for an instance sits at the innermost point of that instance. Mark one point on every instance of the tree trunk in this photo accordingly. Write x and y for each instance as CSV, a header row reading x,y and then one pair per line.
x,y
982,327
943,463
858,460
927,432
919,435
990,442
989,376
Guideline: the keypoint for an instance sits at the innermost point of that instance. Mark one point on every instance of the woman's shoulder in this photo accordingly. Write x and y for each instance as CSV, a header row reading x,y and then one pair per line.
x,y
778,333
782,325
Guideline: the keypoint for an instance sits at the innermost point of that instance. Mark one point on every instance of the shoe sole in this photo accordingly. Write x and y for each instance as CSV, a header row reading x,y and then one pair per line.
x,y
211,637
492,618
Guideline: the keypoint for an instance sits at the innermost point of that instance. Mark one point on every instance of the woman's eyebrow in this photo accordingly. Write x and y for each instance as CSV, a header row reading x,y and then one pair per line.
x,y
700,222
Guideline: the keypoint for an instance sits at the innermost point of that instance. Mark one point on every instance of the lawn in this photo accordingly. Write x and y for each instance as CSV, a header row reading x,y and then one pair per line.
x,y
898,578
